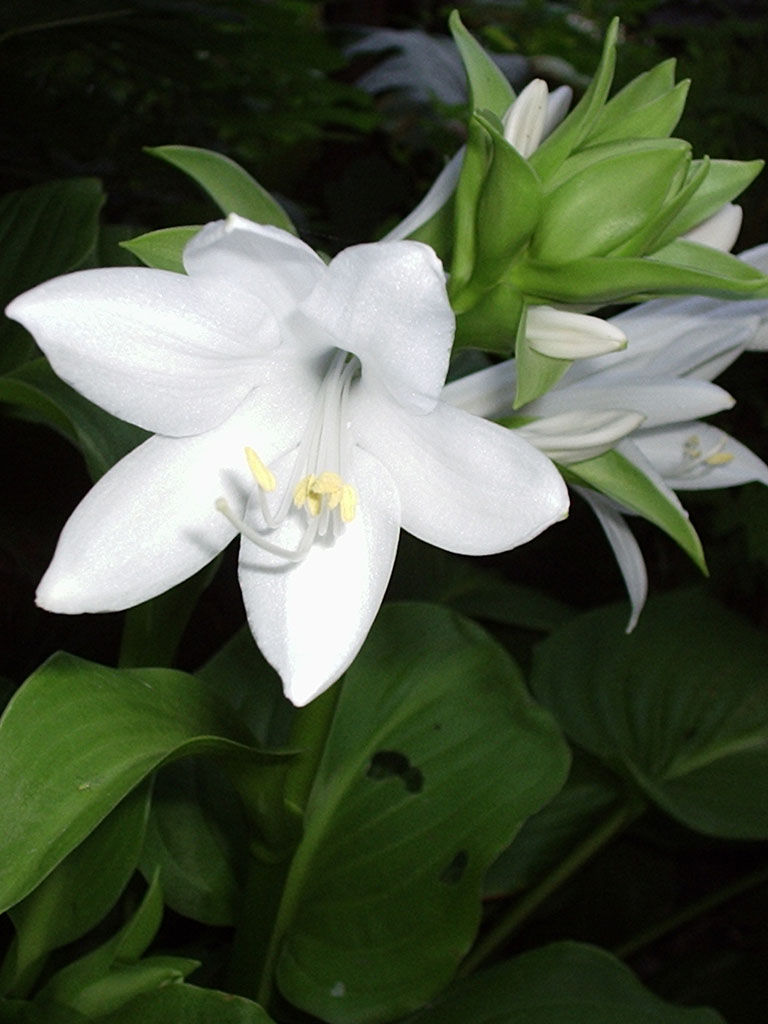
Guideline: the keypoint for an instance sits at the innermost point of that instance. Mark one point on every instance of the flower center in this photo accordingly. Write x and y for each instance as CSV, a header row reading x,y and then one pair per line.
x,y
697,462
318,483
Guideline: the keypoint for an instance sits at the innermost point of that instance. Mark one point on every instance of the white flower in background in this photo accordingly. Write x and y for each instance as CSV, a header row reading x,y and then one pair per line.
x,y
529,119
296,404
645,401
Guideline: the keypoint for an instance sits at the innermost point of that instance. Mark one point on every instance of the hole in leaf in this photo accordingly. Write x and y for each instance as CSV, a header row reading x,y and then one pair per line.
x,y
455,870
386,763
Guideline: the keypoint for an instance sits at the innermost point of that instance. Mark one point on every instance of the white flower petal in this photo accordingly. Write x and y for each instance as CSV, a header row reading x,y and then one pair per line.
x,y
489,392
310,618
557,107
660,401
440,191
466,485
387,303
525,119
150,522
697,456
625,548
257,259
719,231
152,347
565,335
584,434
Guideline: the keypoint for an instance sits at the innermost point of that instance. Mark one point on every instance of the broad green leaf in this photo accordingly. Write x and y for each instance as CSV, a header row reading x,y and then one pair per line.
x,y
18,1011
435,758
577,125
564,983
162,249
80,891
37,393
724,180
589,796
44,231
488,87
605,204
112,974
507,208
680,706
614,475
77,737
197,839
187,1004
536,372
230,186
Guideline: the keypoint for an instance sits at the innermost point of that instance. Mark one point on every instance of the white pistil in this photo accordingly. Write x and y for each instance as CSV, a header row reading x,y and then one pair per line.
x,y
317,484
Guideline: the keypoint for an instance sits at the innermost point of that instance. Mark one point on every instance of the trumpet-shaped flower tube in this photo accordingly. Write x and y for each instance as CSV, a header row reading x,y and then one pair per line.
x,y
296,404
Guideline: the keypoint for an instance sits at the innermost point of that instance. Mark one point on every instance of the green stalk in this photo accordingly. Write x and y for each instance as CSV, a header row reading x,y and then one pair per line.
x,y
691,912
268,906
522,910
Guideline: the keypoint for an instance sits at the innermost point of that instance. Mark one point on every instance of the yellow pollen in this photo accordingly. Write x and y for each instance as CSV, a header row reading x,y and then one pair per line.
x,y
311,490
718,459
264,477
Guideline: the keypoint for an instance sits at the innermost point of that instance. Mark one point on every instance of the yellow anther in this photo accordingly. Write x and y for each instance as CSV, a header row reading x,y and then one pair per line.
x,y
718,459
312,490
348,503
264,477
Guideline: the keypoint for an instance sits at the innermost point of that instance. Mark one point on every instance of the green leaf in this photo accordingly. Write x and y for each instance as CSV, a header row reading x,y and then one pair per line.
x,y
725,179
44,231
606,203
110,975
36,391
435,757
488,87
240,675
80,891
197,841
564,983
227,183
162,249
613,474
680,706
77,737
588,797
508,208
186,1004
577,125
721,266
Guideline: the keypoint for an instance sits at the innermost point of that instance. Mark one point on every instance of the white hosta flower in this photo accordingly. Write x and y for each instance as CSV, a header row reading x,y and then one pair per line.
x,y
527,122
296,404
646,401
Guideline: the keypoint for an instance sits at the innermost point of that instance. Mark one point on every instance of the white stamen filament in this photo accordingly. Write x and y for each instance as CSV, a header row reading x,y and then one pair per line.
x,y
696,462
320,470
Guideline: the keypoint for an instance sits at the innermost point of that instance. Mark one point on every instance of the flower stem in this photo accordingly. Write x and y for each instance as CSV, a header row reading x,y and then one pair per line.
x,y
267,899
625,813
691,912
